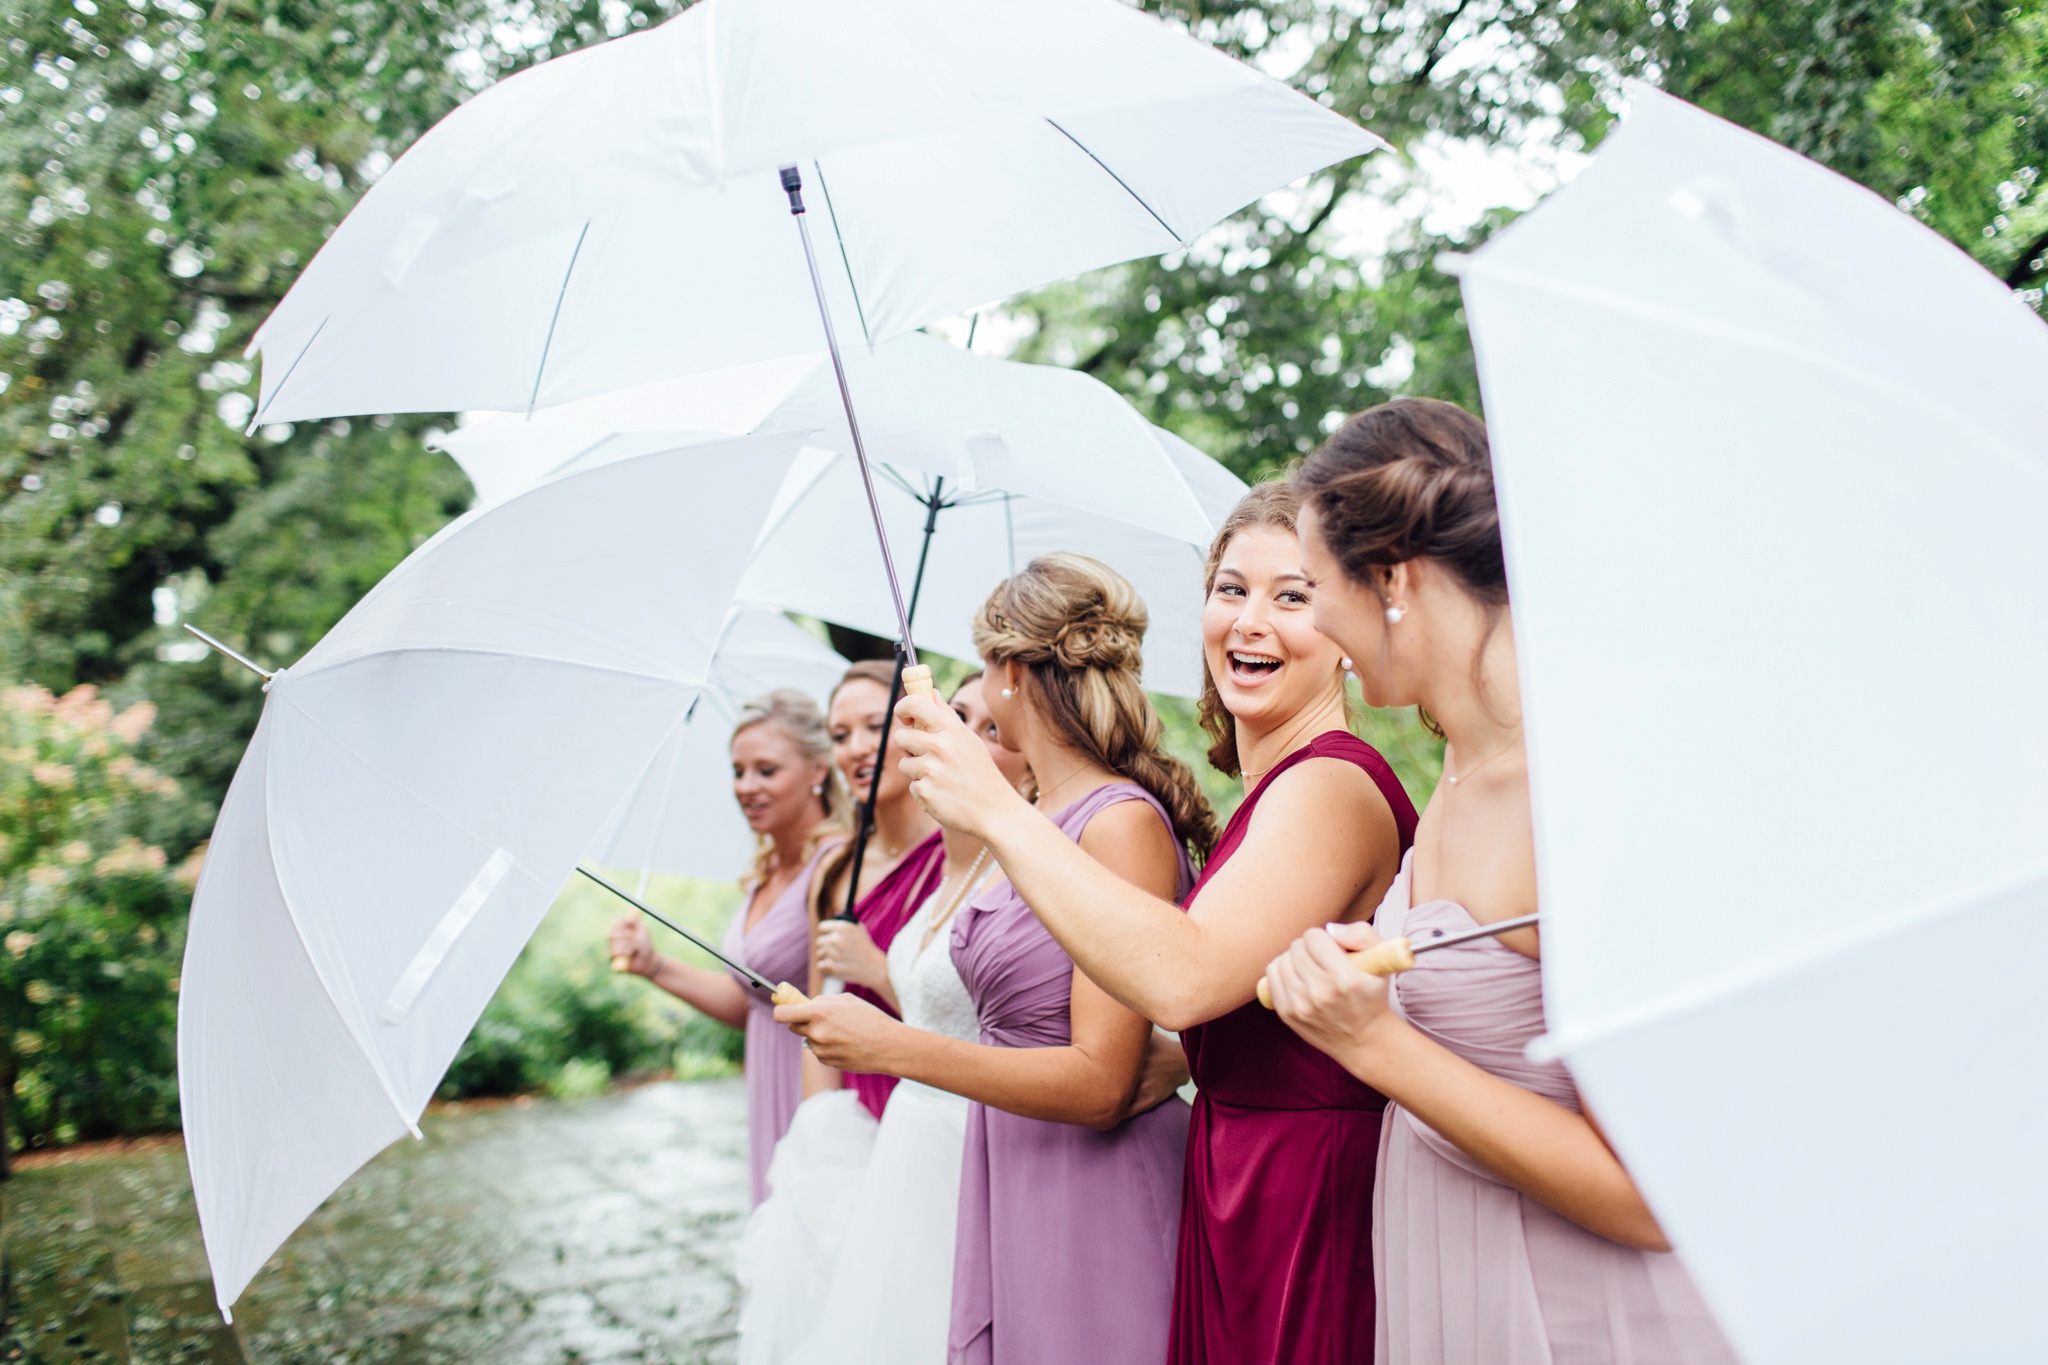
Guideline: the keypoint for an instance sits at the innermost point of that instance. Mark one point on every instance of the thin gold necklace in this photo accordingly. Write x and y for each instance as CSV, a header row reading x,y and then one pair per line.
x,y
1454,781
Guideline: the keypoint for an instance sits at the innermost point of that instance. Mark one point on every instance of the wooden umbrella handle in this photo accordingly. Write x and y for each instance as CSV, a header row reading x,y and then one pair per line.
x,y
786,994
1385,958
621,963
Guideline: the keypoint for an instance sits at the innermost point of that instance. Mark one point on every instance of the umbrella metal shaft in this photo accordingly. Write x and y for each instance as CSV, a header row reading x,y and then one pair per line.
x,y
1443,940
792,183
659,918
226,652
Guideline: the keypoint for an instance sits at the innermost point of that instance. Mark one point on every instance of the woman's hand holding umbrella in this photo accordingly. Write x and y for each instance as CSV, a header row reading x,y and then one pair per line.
x,y
844,1032
1319,991
951,773
847,953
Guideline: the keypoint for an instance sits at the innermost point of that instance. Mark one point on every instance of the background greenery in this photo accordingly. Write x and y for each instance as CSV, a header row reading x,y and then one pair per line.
x,y
166,167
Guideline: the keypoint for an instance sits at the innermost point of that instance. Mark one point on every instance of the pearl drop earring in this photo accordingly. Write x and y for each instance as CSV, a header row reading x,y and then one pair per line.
x,y
1394,615
1009,692
1346,661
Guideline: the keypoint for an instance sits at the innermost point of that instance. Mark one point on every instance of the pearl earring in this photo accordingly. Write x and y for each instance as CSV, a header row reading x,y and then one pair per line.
x,y
1346,661
1394,615
1009,692
818,790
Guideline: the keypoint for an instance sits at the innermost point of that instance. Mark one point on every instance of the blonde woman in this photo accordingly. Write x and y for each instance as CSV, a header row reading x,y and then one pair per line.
x,y
783,779
1068,1205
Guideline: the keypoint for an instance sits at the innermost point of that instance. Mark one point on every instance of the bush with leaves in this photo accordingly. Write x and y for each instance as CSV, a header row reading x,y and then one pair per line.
x,y
92,920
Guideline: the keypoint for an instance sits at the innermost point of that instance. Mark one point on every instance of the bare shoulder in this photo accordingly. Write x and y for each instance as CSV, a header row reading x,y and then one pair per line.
x,y
1323,791
1132,841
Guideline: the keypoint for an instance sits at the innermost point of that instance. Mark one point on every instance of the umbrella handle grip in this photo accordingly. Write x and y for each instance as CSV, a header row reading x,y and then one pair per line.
x,y
621,963
786,994
1388,957
917,682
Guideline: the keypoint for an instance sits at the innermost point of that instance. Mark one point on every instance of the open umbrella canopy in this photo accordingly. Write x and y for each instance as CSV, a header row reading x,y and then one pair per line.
x,y
613,216
1021,459
418,789
1774,483
682,817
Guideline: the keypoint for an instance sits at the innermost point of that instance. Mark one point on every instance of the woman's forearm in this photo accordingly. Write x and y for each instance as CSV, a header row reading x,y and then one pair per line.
x,y
712,993
1058,1084
1142,950
1542,1149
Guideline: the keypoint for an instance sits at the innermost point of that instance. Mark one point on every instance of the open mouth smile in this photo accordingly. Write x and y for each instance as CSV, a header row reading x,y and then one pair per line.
x,y
1250,668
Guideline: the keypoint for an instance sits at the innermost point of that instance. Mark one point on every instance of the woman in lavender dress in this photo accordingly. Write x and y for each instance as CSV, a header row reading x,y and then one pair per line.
x,y
1069,1205
783,779
1505,1230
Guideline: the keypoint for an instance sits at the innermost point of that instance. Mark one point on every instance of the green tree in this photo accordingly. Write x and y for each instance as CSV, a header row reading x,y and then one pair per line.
x,y
1259,339
165,169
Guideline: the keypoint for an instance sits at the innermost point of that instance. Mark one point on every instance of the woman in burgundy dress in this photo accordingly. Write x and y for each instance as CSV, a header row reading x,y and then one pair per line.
x,y
1507,1231
1274,1263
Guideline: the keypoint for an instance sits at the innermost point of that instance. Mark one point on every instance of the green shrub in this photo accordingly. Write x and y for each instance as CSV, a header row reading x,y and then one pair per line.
x,y
92,921
563,1016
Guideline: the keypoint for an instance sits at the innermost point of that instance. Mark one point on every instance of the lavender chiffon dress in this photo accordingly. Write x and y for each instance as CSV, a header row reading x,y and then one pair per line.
x,y
779,948
1066,1238
1470,1271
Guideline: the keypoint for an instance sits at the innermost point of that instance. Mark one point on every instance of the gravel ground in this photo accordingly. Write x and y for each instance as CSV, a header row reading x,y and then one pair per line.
x,y
519,1233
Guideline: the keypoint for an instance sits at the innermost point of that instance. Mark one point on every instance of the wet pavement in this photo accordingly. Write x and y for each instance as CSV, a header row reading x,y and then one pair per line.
x,y
519,1233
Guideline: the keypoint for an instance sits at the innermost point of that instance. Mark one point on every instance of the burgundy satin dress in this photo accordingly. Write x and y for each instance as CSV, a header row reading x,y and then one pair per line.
x,y
882,912
1275,1263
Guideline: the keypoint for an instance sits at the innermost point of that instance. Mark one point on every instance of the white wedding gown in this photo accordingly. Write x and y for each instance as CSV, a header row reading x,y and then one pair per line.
x,y
849,1261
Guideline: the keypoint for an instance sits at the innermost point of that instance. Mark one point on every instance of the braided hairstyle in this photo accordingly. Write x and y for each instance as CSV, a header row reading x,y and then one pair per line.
x,y
1077,628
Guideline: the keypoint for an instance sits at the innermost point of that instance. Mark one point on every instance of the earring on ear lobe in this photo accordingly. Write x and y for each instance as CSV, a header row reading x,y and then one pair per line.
x,y
1009,692
1394,615
1346,661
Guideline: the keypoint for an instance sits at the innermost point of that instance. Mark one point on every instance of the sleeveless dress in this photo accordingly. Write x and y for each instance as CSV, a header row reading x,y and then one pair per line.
x,y
1065,1253
1472,1272
882,913
890,1301
1275,1261
779,948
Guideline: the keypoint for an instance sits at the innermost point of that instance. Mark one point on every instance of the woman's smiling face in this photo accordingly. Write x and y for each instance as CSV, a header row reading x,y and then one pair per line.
x,y
855,722
1258,631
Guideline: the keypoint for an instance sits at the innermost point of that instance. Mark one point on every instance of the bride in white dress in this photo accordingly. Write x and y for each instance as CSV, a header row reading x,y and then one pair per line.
x,y
850,1259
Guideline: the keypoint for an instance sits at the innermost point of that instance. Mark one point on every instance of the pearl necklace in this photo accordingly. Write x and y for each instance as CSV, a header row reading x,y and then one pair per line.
x,y
967,881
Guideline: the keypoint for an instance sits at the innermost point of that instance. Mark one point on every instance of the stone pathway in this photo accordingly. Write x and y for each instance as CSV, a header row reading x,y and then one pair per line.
x,y
521,1233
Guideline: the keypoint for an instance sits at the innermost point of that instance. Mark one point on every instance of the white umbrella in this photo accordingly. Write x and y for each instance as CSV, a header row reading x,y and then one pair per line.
x,y
1775,481
614,216
682,817
607,218
419,787
1004,461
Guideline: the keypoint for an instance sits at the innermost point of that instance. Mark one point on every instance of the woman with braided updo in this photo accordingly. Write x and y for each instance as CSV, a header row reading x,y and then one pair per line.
x,y
1275,1248
1069,1191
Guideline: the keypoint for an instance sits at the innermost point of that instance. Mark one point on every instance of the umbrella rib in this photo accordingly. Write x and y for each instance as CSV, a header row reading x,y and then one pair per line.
x,y
278,392
1728,332
1178,240
852,284
555,317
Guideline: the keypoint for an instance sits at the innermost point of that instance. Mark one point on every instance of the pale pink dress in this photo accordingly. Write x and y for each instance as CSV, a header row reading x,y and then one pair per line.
x,y
1470,1271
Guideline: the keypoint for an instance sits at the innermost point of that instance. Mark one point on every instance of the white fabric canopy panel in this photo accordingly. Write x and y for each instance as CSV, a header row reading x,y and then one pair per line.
x,y
1033,458
613,217
1774,483
682,817
420,786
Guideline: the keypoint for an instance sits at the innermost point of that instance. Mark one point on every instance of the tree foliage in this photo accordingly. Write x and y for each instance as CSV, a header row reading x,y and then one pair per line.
x,y
1259,339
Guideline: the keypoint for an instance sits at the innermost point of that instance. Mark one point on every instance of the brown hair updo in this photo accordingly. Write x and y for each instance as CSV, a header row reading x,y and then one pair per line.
x,y
798,717
1077,627
1410,479
1272,503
